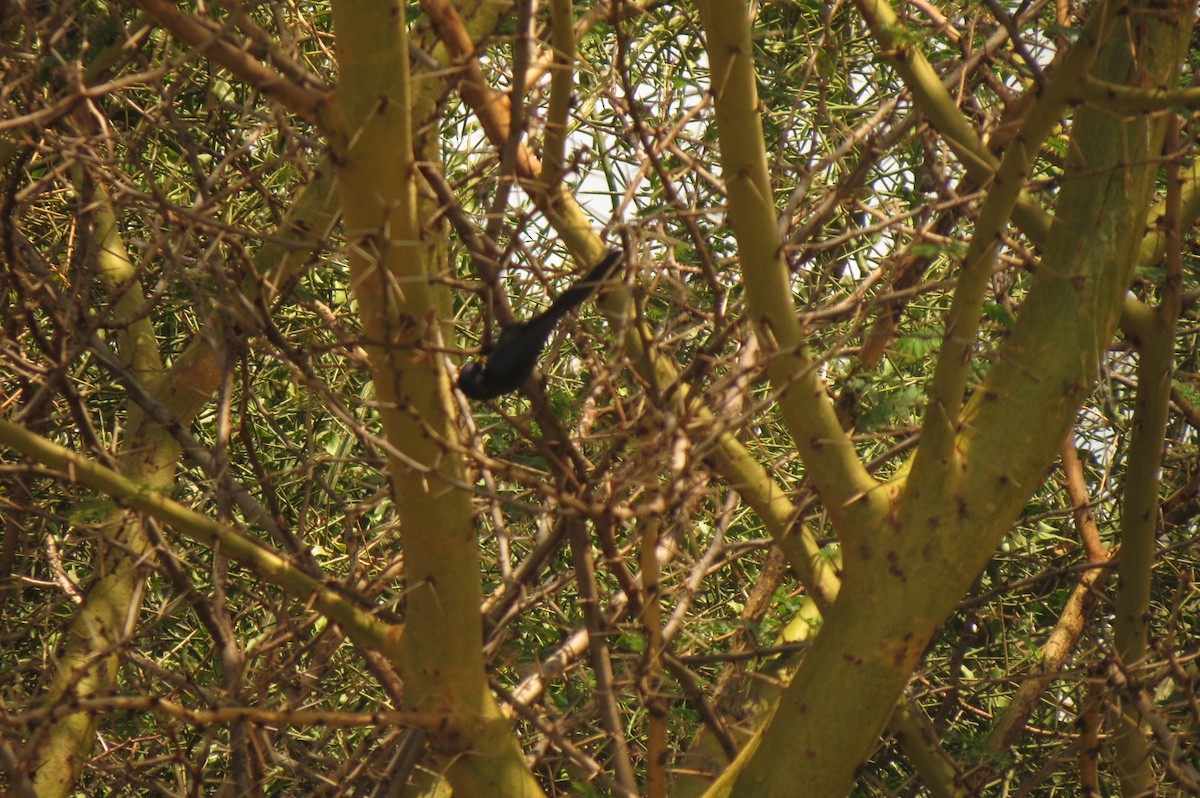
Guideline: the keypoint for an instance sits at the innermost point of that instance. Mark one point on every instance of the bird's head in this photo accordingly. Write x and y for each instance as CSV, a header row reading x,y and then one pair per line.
x,y
470,380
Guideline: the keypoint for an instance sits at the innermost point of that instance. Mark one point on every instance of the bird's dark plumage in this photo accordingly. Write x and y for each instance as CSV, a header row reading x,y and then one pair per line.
x,y
516,352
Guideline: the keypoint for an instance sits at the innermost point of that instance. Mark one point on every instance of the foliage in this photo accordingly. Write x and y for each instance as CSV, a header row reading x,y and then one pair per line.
x,y
640,607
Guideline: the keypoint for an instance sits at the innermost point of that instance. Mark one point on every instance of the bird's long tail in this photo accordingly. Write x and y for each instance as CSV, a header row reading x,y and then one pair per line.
x,y
586,286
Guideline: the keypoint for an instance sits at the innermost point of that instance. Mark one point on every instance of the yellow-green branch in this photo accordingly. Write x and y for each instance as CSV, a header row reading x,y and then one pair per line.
x,y
356,620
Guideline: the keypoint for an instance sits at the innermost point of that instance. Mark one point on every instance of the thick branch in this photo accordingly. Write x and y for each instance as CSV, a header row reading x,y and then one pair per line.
x,y
844,484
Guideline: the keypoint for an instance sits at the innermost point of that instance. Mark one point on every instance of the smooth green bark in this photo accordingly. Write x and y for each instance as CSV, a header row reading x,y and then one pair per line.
x,y
440,660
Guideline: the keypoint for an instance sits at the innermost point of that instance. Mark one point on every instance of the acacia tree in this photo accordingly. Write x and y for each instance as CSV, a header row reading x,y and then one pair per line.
x,y
828,492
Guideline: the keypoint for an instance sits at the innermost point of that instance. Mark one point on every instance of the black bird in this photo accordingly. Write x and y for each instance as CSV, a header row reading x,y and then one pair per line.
x,y
516,352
